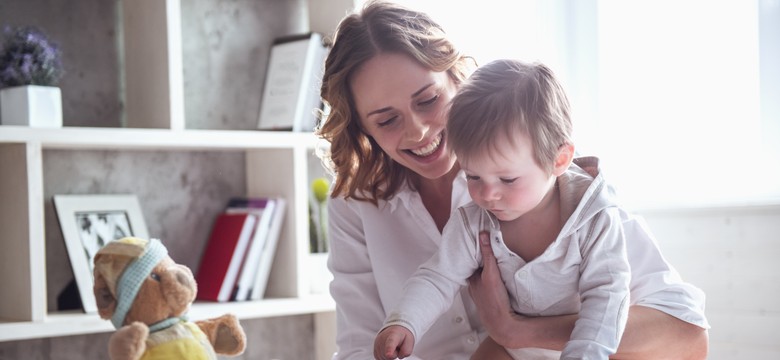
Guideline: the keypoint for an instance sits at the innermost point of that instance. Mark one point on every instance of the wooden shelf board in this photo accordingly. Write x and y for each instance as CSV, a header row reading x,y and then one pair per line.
x,y
77,323
131,138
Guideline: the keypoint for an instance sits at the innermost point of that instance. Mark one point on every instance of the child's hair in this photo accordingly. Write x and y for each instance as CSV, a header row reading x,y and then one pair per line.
x,y
363,171
505,96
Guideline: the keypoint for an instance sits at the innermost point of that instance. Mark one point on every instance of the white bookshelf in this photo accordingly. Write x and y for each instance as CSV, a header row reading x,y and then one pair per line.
x,y
24,315
154,120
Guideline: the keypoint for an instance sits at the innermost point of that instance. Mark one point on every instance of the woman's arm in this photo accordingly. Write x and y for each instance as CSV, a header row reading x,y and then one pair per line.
x,y
359,313
649,334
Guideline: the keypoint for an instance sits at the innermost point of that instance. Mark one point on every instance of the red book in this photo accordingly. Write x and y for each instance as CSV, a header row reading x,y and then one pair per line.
x,y
224,253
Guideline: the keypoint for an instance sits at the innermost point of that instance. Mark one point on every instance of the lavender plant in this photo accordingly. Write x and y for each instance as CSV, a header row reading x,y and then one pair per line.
x,y
27,57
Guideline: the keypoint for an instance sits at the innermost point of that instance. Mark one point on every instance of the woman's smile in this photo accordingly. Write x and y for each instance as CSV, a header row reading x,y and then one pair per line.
x,y
429,149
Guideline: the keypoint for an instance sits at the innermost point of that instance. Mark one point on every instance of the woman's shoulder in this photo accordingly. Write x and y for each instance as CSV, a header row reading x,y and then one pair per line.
x,y
360,204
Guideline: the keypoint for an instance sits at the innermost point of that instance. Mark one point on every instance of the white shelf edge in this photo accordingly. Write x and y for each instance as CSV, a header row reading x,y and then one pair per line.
x,y
265,308
132,138
71,323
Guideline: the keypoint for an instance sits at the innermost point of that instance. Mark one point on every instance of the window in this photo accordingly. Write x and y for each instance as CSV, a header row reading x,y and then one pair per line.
x,y
680,98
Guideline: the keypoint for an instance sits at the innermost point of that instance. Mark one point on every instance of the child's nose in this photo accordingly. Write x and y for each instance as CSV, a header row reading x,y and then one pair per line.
x,y
490,193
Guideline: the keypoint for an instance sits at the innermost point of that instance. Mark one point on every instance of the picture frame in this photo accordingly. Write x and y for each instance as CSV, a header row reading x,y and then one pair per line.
x,y
90,221
291,95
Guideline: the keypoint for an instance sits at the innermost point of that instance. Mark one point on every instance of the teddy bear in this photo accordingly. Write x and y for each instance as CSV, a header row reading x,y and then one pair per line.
x,y
146,295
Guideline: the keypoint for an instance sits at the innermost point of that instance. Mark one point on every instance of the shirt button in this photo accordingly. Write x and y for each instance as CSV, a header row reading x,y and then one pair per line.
x,y
522,275
458,320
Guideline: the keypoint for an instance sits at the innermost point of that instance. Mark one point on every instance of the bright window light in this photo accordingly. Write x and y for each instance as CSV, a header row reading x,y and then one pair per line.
x,y
666,92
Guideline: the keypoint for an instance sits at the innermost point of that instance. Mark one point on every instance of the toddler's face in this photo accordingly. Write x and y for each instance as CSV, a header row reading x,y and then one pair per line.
x,y
506,180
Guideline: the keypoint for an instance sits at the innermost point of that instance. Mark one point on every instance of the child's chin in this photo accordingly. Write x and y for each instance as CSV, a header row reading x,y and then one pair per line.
x,y
504,216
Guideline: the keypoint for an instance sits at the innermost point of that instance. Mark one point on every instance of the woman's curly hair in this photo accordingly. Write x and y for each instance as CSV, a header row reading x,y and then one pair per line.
x,y
362,169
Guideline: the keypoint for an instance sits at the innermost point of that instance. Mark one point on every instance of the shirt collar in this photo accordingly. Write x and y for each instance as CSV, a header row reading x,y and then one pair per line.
x,y
405,195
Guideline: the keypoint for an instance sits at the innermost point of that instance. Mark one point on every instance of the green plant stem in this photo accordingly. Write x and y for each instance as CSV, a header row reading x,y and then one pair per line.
x,y
322,244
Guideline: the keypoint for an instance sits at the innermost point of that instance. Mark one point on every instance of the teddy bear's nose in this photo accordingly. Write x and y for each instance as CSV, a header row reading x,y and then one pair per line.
x,y
183,279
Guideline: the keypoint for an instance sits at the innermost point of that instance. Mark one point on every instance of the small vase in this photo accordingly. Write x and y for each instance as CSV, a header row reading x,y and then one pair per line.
x,y
31,105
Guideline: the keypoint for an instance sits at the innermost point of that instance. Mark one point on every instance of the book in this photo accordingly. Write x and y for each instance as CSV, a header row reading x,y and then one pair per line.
x,y
224,253
291,94
264,209
269,250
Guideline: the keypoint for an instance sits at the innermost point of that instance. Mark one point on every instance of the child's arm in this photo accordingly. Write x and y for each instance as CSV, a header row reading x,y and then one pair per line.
x,y
604,289
430,291
393,342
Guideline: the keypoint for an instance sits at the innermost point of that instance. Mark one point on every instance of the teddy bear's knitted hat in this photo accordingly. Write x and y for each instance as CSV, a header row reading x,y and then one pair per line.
x,y
133,261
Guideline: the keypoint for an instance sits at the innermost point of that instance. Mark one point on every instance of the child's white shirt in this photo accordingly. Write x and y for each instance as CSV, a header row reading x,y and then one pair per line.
x,y
585,270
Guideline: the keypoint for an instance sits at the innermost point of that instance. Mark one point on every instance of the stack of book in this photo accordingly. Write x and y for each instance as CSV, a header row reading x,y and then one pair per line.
x,y
237,260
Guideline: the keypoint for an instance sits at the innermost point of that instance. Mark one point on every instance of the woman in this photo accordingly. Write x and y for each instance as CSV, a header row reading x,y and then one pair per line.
x,y
388,80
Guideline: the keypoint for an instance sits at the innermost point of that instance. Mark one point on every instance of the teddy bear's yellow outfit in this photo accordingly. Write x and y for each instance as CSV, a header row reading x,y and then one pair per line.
x,y
183,340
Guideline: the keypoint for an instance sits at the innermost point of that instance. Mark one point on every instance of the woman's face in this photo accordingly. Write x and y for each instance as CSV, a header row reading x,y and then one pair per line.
x,y
402,106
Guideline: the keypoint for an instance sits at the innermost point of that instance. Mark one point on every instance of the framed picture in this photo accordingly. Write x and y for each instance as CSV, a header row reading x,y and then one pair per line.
x,y
291,96
90,221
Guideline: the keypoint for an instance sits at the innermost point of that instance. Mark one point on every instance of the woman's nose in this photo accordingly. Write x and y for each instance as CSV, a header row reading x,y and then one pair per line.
x,y
417,127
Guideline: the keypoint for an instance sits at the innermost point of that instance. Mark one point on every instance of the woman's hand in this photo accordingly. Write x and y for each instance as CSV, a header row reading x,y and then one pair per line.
x,y
505,327
490,295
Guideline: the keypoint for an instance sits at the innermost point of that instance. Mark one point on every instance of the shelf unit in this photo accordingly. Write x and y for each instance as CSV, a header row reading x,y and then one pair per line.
x,y
24,315
154,120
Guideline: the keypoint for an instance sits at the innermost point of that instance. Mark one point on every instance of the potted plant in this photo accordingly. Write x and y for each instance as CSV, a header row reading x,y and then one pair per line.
x,y
30,70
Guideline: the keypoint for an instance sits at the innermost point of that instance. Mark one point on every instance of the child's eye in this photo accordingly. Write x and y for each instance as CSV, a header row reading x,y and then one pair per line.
x,y
429,101
508,181
472,177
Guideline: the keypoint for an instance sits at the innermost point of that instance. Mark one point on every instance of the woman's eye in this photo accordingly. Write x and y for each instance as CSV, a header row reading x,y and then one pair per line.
x,y
154,276
508,181
472,177
387,122
429,101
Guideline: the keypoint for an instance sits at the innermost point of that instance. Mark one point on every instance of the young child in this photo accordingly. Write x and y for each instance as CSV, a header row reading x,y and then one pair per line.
x,y
554,226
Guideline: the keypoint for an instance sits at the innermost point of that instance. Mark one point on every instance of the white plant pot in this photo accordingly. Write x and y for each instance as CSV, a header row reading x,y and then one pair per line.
x,y
31,105
319,275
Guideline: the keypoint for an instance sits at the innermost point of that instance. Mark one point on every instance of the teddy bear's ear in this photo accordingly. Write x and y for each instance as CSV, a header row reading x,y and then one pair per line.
x,y
106,302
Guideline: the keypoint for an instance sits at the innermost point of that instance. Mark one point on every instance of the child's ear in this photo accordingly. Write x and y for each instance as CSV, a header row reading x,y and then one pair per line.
x,y
563,159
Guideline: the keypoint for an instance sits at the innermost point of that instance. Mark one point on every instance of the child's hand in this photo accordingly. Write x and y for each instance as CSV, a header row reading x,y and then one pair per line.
x,y
393,342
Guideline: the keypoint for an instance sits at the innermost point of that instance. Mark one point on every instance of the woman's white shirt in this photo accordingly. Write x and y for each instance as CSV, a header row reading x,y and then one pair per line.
x,y
373,251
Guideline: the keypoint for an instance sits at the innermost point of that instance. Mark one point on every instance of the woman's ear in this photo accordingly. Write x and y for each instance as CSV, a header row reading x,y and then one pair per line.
x,y
563,159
